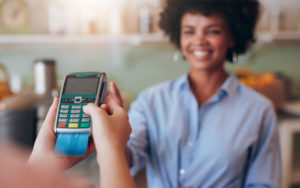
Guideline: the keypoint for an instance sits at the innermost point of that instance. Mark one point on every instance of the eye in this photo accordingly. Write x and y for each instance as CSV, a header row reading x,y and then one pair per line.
x,y
217,32
188,32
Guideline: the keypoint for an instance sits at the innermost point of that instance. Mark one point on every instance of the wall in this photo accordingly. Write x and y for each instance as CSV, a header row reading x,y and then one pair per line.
x,y
136,68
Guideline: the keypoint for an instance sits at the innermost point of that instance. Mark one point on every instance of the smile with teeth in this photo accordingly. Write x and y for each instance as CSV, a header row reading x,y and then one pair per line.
x,y
199,53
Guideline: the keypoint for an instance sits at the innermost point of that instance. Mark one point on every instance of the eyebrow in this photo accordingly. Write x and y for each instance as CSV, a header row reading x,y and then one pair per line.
x,y
209,26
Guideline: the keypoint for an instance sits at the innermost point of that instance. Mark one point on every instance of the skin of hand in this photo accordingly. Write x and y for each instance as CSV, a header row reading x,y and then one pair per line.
x,y
111,132
14,172
113,97
45,144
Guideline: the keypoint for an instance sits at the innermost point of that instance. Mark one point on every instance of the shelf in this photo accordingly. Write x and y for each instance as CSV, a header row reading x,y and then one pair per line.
x,y
284,36
134,39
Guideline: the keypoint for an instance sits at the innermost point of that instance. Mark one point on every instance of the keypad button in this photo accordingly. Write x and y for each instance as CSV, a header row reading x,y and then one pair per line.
x,y
64,111
85,125
62,125
76,106
63,115
85,119
74,120
75,111
77,99
75,115
85,115
73,125
62,120
64,106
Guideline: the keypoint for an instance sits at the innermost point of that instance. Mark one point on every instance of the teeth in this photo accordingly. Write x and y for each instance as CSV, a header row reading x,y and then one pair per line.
x,y
200,53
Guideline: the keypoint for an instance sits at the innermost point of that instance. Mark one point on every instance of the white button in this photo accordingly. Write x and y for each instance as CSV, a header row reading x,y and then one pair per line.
x,y
75,115
190,144
63,115
182,171
64,111
75,111
64,106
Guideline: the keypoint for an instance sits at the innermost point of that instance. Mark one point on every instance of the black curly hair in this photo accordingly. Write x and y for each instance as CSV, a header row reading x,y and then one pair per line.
x,y
242,16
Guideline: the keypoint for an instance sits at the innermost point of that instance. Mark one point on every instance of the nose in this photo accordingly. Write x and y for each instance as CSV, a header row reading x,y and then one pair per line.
x,y
200,38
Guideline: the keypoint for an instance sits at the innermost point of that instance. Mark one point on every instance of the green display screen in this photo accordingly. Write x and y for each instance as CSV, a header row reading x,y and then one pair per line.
x,y
79,86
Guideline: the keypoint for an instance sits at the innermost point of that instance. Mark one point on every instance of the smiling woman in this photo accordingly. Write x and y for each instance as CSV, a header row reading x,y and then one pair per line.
x,y
205,129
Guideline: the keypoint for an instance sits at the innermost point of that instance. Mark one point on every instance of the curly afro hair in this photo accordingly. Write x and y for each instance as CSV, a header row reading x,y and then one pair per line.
x,y
242,16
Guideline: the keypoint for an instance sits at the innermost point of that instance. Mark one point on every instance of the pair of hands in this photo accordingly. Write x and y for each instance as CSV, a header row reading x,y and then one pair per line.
x,y
110,129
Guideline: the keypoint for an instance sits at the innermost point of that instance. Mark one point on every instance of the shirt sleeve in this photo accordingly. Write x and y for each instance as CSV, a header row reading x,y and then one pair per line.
x,y
265,162
138,141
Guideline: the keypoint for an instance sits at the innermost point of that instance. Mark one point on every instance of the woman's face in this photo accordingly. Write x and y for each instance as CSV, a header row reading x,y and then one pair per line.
x,y
204,40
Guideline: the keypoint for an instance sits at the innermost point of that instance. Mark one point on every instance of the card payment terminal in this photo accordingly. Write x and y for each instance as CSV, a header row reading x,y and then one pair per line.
x,y
72,126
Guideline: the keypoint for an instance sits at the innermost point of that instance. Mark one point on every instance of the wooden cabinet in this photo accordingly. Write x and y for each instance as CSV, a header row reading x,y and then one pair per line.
x,y
289,132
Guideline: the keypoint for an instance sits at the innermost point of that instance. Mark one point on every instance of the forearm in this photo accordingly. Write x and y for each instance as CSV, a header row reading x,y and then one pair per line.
x,y
112,163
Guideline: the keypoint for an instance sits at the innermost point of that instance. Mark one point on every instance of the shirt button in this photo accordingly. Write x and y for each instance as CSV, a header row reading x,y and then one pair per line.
x,y
181,171
190,144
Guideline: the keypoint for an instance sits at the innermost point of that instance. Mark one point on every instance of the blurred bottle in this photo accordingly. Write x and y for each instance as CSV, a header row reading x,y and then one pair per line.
x,y
16,83
44,76
56,18
115,20
144,20
275,19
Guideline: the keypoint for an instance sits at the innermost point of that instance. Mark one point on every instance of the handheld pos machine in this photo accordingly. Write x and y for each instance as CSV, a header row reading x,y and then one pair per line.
x,y
72,126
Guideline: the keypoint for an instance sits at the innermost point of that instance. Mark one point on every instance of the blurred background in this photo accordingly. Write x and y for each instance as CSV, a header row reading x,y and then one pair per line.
x,y
42,40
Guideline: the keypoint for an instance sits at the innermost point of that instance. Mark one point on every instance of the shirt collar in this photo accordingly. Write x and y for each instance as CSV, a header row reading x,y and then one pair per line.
x,y
183,81
229,87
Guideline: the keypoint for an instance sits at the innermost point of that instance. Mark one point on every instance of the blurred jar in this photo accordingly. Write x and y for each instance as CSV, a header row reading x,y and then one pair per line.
x,y
56,18
44,76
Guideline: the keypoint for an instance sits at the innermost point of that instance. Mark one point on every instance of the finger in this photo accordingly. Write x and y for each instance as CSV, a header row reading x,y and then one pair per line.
x,y
93,110
114,89
117,110
120,112
116,93
104,107
110,110
107,95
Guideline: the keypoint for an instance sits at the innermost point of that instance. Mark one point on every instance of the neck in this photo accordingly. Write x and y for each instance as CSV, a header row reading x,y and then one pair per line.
x,y
205,84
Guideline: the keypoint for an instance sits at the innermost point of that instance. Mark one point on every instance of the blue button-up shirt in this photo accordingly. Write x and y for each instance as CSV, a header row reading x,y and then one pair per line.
x,y
230,141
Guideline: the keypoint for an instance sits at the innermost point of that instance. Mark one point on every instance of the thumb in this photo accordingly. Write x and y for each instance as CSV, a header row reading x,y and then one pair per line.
x,y
93,110
119,112
115,108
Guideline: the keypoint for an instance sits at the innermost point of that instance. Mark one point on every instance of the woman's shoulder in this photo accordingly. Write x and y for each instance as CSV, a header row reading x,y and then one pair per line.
x,y
163,89
254,97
